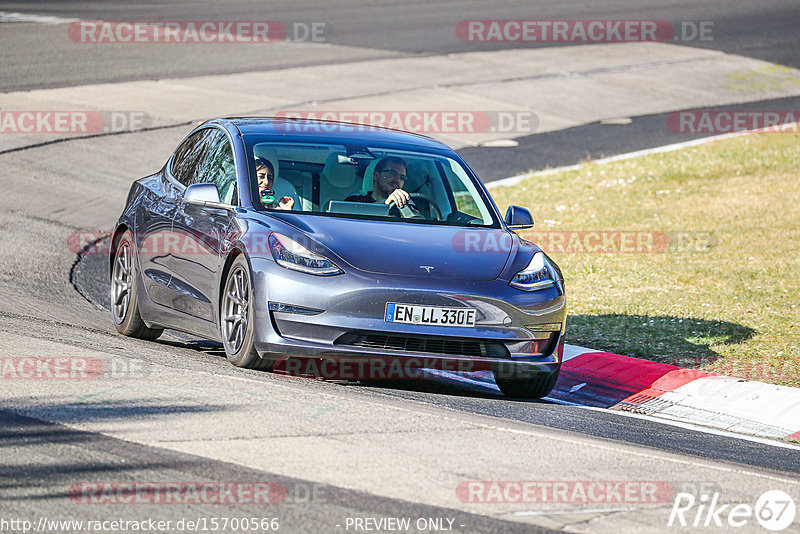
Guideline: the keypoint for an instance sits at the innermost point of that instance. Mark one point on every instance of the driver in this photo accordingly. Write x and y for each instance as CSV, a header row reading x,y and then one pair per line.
x,y
265,176
388,180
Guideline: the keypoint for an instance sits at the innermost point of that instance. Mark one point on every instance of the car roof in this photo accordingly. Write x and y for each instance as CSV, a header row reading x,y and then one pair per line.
x,y
312,130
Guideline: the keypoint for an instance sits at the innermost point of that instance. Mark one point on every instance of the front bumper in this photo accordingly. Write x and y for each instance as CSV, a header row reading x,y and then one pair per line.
x,y
352,305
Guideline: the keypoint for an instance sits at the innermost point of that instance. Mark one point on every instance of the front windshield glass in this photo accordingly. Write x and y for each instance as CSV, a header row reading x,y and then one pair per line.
x,y
366,182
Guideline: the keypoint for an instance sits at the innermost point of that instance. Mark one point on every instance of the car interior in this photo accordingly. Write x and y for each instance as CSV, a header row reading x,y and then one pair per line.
x,y
320,177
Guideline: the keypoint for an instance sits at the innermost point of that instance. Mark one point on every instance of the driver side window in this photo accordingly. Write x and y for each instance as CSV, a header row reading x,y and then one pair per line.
x,y
218,167
188,156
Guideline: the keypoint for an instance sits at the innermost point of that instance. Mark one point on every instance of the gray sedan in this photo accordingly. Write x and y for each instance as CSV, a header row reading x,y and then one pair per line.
x,y
339,251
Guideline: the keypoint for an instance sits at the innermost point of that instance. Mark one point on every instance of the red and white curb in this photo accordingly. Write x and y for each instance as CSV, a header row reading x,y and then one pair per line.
x,y
666,392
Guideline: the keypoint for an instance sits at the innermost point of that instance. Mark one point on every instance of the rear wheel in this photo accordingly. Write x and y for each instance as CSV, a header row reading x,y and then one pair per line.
x,y
236,318
524,383
125,291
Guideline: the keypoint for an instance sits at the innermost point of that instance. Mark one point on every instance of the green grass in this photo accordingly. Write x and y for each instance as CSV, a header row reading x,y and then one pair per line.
x,y
725,297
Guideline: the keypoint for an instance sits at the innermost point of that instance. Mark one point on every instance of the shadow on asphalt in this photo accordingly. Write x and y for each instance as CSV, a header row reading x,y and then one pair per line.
x,y
211,348
86,409
432,385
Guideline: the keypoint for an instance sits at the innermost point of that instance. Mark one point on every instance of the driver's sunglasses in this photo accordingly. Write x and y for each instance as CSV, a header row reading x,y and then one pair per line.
x,y
394,174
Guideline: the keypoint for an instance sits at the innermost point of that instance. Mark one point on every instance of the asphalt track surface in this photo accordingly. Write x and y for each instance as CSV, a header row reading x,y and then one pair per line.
x,y
35,486
353,31
89,278
42,459
765,30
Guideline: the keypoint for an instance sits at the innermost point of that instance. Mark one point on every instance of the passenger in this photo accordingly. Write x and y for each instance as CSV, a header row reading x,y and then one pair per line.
x,y
265,176
388,181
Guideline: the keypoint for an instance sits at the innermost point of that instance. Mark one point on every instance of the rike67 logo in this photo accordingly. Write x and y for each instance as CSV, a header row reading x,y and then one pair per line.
x,y
774,510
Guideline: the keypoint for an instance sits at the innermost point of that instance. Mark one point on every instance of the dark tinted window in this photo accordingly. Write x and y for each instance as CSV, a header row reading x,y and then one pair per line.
x,y
188,155
217,167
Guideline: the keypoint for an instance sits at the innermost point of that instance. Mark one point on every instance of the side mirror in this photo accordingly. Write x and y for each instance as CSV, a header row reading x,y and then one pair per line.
x,y
518,218
203,194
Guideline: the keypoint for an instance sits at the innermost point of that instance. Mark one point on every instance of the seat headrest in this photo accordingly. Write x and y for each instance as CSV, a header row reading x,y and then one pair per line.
x,y
368,184
419,171
284,188
337,174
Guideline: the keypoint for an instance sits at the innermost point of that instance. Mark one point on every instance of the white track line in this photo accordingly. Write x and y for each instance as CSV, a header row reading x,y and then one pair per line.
x,y
5,16
775,442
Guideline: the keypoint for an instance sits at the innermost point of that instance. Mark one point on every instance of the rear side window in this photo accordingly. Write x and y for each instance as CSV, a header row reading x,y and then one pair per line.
x,y
189,155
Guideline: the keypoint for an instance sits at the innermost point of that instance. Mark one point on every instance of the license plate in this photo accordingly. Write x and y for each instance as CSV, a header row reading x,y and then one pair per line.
x,y
429,315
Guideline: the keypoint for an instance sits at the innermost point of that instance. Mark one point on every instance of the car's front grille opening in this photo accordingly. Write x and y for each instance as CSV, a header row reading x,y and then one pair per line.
x,y
474,348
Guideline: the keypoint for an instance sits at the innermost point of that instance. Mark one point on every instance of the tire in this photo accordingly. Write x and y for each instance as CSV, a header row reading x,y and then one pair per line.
x,y
125,291
235,318
525,384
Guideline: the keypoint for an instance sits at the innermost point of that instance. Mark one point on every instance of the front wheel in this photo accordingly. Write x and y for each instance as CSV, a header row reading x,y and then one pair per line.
x,y
125,291
237,313
524,383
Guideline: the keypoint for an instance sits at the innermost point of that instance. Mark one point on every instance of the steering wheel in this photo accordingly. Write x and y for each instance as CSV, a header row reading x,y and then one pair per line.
x,y
433,207
407,211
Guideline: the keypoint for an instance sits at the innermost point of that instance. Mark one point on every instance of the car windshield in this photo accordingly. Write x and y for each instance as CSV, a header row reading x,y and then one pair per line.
x,y
355,182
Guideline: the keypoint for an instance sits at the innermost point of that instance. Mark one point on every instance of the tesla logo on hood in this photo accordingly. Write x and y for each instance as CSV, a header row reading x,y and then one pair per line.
x,y
427,268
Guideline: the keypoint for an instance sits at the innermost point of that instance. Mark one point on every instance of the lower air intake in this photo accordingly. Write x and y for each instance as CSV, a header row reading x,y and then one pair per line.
x,y
465,347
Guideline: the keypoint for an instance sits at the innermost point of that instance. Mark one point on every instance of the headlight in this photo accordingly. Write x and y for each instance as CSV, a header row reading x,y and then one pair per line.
x,y
539,274
292,255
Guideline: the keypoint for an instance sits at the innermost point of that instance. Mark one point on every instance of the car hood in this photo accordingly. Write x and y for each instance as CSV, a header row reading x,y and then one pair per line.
x,y
394,248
